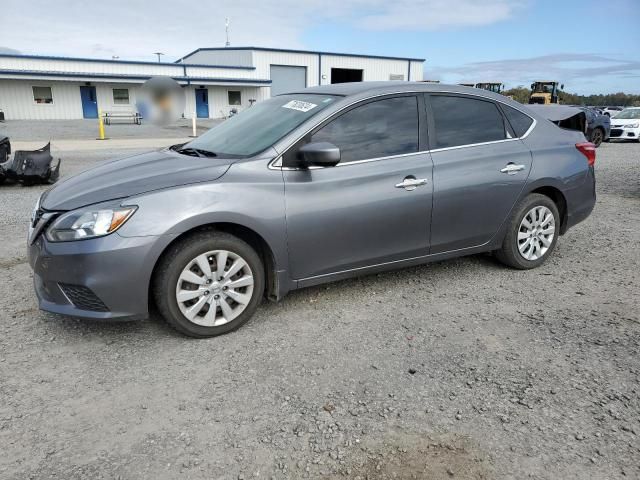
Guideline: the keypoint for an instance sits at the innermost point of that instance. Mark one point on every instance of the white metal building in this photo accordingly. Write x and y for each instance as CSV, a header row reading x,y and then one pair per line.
x,y
215,80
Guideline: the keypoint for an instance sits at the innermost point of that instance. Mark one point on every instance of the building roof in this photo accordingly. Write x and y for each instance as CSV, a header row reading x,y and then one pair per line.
x,y
120,62
312,52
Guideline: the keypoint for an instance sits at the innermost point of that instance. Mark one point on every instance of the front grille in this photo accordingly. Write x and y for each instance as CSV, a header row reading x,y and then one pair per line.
x,y
83,298
615,132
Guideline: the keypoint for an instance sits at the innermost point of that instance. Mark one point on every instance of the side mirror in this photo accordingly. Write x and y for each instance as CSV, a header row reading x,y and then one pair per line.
x,y
533,85
562,87
319,154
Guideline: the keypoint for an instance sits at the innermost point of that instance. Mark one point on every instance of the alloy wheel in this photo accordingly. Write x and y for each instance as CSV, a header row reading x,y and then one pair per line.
x,y
214,288
536,233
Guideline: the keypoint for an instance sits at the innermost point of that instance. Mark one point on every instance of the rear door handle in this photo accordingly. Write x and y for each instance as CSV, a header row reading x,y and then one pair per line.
x,y
410,183
512,169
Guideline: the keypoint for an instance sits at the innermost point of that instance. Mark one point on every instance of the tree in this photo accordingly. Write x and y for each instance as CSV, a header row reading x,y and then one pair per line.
x,y
521,94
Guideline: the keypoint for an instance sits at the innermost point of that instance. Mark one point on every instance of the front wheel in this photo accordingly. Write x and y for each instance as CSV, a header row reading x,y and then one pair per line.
x,y
532,233
208,284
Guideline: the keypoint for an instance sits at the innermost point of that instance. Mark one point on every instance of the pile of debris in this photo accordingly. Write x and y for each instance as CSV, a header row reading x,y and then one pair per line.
x,y
29,167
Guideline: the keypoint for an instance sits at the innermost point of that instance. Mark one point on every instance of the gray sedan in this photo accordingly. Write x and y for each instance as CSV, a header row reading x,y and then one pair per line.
x,y
306,188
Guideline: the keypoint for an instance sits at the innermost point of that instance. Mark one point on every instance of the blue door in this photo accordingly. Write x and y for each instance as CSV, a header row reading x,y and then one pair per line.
x,y
89,102
202,103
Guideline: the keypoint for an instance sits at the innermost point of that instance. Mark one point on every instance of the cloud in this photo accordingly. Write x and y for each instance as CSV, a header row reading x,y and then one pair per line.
x,y
564,67
438,14
137,28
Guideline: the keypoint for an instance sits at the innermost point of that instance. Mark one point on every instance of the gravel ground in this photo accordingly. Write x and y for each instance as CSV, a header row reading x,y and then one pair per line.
x,y
456,370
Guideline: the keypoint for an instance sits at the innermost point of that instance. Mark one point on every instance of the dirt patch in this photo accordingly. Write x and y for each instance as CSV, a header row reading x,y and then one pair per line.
x,y
406,457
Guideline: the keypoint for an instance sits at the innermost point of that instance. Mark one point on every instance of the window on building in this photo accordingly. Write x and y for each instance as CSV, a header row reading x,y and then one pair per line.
x,y
42,95
518,120
121,96
234,97
465,121
377,129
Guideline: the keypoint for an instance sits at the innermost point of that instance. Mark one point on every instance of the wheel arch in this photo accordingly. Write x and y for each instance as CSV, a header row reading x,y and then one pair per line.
x,y
273,290
556,195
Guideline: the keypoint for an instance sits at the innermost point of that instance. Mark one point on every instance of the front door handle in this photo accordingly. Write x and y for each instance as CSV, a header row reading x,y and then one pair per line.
x,y
410,183
512,169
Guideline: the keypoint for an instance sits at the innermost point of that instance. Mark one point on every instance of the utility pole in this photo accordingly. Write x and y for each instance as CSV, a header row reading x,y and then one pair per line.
x,y
159,54
226,26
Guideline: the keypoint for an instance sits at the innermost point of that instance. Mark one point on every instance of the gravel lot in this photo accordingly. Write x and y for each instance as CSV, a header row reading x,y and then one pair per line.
x,y
456,370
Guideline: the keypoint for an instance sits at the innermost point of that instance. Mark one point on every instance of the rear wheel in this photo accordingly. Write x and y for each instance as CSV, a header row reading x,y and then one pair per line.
x,y
209,284
597,136
532,233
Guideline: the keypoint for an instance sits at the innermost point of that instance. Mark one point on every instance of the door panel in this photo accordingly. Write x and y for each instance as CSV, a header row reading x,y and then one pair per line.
x,y
89,102
360,212
352,216
472,197
479,170
202,103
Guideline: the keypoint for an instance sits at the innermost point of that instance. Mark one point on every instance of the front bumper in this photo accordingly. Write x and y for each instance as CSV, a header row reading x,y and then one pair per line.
x,y
101,278
618,133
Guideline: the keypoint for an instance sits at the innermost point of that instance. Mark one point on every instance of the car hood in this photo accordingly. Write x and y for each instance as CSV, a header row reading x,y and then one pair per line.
x,y
131,176
624,121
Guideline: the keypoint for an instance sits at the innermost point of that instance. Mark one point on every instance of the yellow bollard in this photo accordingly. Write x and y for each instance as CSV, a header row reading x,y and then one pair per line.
x,y
100,126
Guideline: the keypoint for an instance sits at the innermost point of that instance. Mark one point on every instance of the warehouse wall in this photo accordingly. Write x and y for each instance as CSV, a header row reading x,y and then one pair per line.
x,y
219,99
222,57
104,93
16,100
417,71
263,61
375,69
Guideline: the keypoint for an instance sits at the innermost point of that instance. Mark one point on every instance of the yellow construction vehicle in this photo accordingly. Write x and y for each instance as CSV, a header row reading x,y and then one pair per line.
x,y
545,93
491,86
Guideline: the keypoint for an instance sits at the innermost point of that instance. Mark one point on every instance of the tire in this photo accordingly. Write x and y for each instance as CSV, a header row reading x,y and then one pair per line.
x,y
597,136
538,251
179,274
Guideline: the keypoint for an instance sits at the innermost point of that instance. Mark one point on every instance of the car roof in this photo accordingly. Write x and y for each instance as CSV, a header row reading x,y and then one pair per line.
x,y
393,86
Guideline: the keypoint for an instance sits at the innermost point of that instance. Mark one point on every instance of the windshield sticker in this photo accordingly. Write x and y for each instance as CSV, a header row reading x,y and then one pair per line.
x,y
299,105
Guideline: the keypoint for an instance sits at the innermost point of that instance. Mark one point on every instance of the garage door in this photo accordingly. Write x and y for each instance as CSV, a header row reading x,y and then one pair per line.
x,y
287,79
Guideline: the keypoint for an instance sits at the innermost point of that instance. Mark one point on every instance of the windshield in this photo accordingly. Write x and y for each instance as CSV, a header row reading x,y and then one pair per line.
x,y
631,113
260,126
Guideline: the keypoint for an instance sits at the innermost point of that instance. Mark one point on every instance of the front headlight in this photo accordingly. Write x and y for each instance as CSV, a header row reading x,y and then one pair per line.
x,y
88,223
632,125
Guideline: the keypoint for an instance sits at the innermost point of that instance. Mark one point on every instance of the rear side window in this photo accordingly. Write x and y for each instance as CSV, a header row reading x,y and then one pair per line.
x,y
377,129
519,121
465,121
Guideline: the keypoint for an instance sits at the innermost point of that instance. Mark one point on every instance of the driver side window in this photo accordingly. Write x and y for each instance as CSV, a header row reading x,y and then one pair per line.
x,y
381,128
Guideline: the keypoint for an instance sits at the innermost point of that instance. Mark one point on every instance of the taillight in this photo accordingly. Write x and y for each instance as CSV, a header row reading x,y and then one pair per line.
x,y
588,149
